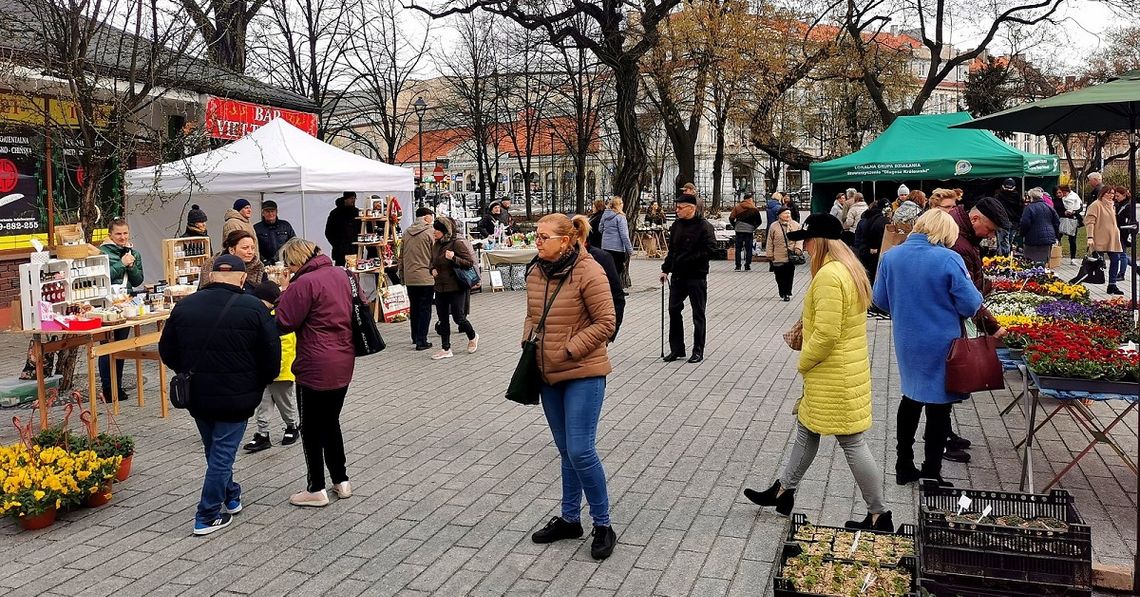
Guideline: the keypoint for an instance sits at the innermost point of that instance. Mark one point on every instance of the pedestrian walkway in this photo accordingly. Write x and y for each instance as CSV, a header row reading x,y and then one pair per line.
x,y
450,479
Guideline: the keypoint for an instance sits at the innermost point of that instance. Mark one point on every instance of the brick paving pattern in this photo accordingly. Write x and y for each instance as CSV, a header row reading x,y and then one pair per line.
x,y
450,479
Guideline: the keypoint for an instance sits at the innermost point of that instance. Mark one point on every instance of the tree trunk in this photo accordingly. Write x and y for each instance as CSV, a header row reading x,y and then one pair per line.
x,y
526,183
632,159
718,164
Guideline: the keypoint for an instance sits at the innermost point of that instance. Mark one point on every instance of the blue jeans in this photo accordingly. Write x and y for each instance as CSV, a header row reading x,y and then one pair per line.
x,y
221,439
572,409
1117,267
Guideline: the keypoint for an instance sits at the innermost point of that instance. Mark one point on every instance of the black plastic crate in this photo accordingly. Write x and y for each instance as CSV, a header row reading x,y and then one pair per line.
x,y
784,587
956,586
978,555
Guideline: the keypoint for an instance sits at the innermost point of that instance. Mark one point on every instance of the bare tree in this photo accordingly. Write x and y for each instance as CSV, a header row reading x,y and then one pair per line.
x,y
110,62
303,46
625,32
478,92
867,22
582,92
528,95
223,25
385,56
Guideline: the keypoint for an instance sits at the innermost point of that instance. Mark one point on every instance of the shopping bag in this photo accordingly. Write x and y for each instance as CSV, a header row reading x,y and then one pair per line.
x,y
394,303
894,234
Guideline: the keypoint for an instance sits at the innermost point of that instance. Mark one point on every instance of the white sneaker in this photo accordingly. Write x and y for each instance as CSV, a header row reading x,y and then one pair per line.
x,y
473,344
442,354
342,490
1072,262
312,500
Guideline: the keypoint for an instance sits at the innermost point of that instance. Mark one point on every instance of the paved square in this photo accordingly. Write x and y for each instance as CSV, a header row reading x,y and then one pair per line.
x,y
450,479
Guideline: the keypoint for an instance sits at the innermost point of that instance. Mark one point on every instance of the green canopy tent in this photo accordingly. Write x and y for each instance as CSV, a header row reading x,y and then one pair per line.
x,y
924,148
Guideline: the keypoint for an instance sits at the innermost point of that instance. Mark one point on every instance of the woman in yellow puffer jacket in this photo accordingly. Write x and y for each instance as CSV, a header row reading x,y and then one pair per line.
x,y
836,372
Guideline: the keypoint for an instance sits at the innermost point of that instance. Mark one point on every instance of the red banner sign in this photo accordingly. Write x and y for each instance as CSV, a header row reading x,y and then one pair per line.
x,y
233,119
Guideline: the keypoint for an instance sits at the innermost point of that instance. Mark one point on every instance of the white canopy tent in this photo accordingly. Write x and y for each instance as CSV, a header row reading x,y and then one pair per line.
x,y
276,162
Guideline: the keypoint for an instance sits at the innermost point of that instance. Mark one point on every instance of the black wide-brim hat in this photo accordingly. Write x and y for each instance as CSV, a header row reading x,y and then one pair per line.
x,y
818,226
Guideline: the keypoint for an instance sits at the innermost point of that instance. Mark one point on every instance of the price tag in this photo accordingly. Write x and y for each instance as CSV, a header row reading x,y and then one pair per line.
x,y
963,503
867,580
855,543
985,513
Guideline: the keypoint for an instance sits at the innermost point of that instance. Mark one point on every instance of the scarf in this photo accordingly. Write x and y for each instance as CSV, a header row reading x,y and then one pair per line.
x,y
559,268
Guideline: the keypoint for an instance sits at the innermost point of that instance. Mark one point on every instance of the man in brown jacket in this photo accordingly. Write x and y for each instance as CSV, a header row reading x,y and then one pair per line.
x,y
415,271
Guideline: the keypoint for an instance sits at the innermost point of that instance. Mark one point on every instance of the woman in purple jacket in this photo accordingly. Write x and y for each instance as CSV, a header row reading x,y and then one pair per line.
x,y
317,305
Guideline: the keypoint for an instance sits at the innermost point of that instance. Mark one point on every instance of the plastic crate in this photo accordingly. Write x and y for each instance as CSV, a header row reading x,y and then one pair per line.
x,y
978,556
954,586
784,587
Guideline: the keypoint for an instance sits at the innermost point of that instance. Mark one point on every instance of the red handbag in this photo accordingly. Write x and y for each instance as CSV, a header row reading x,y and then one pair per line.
x,y
973,365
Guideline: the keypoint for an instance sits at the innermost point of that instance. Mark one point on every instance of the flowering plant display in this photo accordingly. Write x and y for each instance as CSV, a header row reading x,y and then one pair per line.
x,y
1009,321
1075,350
1116,314
107,445
1017,334
1068,310
1020,304
1056,288
35,480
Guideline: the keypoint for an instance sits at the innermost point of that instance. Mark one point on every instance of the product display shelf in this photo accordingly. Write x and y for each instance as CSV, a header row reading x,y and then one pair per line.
x,y
62,283
182,259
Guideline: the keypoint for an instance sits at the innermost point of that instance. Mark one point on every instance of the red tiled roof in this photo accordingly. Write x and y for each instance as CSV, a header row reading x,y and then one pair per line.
x,y
439,143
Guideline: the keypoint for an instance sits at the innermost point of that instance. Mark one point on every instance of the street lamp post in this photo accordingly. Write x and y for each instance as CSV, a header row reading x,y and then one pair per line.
x,y
420,107
553,178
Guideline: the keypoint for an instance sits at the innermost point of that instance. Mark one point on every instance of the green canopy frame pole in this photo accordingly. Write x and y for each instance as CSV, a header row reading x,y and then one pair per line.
x,y
1135,320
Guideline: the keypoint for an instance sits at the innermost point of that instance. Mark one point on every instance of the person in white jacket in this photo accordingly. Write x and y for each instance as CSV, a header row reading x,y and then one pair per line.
x,y
1072,211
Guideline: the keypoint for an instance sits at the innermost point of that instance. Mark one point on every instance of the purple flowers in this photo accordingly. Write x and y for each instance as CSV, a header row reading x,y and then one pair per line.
x,y
1069,310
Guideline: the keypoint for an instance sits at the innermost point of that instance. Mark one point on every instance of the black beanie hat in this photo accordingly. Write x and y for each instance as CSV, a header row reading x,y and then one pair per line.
x,y
439,225
195,215
267,291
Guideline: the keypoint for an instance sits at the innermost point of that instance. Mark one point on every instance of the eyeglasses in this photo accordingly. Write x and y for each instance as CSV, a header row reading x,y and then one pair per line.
x,y
541,238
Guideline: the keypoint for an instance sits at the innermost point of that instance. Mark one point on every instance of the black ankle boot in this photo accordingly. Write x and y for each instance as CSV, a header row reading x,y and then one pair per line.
x,y
884,524
906,476
772,497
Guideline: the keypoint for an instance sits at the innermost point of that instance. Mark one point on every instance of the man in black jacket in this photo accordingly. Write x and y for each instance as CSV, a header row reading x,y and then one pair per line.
x,y
229,343
342,227
692,243
272,232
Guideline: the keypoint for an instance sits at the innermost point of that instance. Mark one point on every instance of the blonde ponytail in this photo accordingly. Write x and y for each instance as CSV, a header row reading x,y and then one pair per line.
x,y
577,230
581,226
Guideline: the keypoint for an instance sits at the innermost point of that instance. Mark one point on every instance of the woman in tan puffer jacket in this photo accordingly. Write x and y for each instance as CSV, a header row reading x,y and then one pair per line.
x,y
565,280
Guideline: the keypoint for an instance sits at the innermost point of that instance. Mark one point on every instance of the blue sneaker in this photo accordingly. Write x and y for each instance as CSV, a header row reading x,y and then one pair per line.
x,y
205,528
232,507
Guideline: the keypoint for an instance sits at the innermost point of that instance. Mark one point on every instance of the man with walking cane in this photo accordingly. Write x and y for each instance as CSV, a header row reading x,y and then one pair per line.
x,y
691,245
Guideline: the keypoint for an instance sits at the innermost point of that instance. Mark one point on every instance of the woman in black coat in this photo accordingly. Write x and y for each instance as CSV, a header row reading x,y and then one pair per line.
x,y
869,238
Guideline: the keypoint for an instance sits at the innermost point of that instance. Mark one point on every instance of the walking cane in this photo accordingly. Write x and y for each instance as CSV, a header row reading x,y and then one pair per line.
x,y
662,319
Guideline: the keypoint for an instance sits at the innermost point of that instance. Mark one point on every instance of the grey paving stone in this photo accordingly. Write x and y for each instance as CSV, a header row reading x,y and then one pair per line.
x,y
451,480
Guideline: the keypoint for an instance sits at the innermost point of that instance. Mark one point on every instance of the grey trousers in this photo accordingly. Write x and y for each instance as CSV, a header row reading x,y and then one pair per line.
x,y
278,393
867,473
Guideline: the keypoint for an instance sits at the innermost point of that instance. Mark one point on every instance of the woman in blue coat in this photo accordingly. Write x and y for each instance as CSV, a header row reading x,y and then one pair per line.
x,y
927,291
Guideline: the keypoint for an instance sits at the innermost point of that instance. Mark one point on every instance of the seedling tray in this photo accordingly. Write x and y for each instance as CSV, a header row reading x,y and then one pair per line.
x,y
969,553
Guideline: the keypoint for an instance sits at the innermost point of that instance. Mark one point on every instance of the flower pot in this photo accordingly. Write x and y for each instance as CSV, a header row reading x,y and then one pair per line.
x,y
99,498
124,469
39,521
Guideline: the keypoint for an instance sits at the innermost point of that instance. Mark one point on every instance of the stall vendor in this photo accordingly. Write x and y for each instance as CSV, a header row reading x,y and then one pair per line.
x,y
127,269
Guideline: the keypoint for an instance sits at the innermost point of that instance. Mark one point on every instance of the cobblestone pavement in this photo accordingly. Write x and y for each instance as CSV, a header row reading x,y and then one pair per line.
x,y
450,479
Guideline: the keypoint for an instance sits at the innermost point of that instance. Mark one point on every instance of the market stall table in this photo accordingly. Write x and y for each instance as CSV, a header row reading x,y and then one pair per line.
x,y
653,241
95,343
511,258
1071,402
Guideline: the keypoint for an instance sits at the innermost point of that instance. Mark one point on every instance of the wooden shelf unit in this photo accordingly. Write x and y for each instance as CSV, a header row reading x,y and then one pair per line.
x,y
176,263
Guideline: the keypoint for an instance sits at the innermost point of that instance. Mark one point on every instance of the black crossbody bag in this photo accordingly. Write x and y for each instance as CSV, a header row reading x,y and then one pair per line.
x,y
180,382
526,383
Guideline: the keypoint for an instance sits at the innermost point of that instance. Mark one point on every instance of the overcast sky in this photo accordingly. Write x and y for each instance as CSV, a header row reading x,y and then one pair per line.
x,y
1077,37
